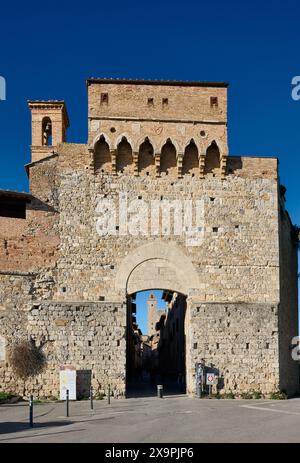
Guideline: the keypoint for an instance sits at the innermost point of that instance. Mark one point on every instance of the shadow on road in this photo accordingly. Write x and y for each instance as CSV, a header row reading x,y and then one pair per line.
x,y
11,426
143,389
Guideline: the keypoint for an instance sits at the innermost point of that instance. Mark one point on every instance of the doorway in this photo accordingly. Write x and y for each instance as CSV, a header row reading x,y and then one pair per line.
x,y
156,342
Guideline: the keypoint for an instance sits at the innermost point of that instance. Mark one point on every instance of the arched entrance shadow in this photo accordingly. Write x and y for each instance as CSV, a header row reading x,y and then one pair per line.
x,y
158,357
146,390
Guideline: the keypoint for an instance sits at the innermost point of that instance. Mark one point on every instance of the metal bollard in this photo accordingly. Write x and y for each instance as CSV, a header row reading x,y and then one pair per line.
x,y
67,402
108,394
31,411
198,390
160,391
91,397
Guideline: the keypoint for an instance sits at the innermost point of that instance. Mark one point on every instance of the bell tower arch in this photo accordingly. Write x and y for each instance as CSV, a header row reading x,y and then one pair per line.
x,y
49,123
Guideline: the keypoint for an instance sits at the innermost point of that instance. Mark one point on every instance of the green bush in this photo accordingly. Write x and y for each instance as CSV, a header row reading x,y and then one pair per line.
x,y
99,396
6,396
251,395
278,395
228,395
246,395
82,397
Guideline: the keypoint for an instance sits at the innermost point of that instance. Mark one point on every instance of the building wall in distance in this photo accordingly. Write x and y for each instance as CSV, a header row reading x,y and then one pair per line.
x,y
288,307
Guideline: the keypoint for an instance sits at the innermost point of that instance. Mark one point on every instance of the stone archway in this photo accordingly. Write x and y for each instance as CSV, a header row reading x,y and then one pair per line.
x,y
161,275
171,268
161,265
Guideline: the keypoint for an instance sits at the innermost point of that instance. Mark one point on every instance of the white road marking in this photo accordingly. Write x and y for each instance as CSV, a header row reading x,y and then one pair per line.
x,y
269,409
263,403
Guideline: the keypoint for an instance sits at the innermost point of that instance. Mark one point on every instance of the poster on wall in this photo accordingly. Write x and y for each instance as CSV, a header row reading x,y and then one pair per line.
x,y
2,348
67,380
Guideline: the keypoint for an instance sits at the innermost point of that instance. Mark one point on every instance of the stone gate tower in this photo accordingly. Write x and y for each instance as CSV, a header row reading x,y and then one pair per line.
x,y
74,250
152,314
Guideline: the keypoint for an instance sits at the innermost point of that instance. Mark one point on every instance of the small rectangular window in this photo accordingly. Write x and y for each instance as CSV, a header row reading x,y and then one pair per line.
x,y
150,102
213,101
104,98
165,101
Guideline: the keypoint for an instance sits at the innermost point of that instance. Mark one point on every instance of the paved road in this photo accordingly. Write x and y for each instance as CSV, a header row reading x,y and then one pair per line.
x,y
152,420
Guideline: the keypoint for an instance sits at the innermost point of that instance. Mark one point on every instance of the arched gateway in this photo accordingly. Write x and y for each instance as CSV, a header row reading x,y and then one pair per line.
x,y
157,265
164,266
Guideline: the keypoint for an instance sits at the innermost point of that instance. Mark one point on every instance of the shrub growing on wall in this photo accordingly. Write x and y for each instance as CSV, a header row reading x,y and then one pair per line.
x,y
27,360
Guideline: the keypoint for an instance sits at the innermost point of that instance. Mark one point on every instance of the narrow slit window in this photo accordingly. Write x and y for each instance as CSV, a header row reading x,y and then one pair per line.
x,y
213,101
104,98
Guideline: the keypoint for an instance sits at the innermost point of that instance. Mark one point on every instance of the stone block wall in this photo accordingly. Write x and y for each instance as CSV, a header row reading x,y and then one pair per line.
x,y
237,260
241,341
85,336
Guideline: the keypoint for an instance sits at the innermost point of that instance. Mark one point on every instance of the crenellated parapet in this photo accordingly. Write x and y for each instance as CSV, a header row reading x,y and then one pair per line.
x,y
139,158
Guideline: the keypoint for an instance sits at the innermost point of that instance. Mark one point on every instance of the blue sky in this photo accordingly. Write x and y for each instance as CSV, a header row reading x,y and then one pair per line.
x,y
48,50
142,307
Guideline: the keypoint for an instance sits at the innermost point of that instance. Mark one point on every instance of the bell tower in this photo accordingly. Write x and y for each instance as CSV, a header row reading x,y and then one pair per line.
x,y
49,123
152,314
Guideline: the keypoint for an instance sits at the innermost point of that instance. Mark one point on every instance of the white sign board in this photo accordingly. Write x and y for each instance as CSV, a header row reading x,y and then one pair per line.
x,y
210,378
67,380
2,348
